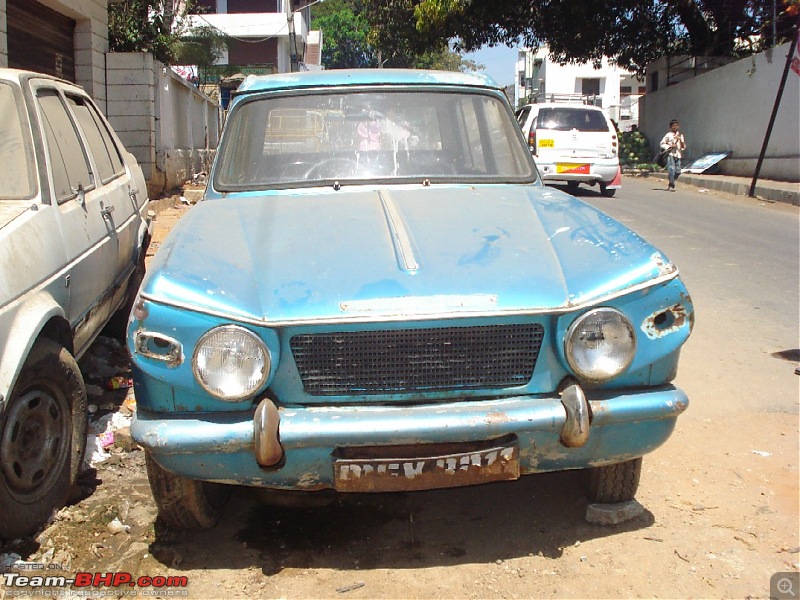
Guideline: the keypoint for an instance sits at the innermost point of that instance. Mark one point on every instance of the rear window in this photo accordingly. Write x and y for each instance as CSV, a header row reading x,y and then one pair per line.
x,y
567,119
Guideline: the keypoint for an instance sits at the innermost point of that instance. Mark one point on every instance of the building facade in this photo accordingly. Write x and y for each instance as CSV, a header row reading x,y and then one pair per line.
x,y
603,84
264,36
65,38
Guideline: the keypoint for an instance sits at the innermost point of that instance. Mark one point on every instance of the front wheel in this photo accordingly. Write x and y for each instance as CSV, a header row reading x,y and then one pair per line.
x,y
185,503
615,483
604,191
42,439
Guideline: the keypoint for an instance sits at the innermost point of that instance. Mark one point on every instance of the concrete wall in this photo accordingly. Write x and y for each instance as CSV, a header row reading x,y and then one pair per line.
x,y
169,125
728,109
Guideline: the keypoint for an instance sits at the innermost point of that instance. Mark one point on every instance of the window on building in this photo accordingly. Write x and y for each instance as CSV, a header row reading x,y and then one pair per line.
x,y
590,87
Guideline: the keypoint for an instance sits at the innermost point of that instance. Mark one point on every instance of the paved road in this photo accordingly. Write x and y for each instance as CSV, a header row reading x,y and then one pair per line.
x,y
739,259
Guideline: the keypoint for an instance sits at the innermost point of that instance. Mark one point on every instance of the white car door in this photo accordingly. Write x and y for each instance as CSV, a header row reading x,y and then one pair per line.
x,y
90,241
121,213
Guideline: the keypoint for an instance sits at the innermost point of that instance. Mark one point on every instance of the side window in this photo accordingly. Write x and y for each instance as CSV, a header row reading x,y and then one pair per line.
x,y
17,179
105,152
68,162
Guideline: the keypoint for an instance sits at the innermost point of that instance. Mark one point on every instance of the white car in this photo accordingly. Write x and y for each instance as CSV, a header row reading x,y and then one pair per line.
x,y
572,143
73,235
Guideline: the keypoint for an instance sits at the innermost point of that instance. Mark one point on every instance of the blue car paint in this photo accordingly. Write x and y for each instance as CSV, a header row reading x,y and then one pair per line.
x,y
317,259
218,447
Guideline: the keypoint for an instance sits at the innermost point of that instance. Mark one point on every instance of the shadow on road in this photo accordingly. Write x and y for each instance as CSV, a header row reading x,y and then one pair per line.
x,y
537,515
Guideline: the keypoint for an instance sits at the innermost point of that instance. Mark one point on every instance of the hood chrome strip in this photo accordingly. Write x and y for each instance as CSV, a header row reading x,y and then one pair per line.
x,y
399,233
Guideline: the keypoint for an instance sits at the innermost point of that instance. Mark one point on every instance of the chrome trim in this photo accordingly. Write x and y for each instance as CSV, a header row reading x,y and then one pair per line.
x,y
400,237
265,434
575,432
381,318
173,355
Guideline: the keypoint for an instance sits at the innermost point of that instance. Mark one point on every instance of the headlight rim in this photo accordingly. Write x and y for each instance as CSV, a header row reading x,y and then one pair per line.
x,y
255,389
570,340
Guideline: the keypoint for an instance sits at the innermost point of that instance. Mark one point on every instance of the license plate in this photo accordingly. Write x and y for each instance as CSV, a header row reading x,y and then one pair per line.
x,y
573,168
547,143
499,462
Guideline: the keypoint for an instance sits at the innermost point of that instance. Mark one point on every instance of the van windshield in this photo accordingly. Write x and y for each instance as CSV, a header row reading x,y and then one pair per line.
x,y
567,119
305,139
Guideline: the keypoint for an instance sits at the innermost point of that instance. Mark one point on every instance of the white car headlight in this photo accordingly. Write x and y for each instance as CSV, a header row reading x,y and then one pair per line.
x,y
231,362
600,344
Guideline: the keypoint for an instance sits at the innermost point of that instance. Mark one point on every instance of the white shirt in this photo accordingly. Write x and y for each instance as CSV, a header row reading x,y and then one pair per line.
x,y
673,142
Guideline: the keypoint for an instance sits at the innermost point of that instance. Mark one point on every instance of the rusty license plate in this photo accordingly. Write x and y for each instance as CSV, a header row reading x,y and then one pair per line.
x,y
499,462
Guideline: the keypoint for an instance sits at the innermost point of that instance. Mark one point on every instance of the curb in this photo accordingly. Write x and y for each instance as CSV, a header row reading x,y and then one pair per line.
x,y
765,190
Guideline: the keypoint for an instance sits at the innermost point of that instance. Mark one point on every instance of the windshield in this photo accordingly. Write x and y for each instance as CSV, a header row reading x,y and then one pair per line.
x,y
305,140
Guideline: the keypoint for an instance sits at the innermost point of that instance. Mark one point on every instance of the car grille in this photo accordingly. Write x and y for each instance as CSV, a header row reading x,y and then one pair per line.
x,y
417,360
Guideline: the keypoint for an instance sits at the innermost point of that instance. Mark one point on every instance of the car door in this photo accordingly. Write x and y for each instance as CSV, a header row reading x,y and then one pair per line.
x,y
120,210
90,242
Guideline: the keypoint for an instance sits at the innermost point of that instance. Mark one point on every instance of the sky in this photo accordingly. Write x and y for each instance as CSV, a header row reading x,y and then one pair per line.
x,y
500,63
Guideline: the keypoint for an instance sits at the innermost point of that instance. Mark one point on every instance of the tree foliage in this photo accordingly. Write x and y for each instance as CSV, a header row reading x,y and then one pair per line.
x,y
351,30
633,32
161,27
344,36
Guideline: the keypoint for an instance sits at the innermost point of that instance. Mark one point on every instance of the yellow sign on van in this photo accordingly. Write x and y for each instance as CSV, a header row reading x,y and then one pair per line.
x,y
547,143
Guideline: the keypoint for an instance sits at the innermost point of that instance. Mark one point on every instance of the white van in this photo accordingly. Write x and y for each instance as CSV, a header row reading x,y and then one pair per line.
x,y
573,143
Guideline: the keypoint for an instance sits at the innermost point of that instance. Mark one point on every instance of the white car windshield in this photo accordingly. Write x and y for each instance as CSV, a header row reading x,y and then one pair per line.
x,y
362,136
16,172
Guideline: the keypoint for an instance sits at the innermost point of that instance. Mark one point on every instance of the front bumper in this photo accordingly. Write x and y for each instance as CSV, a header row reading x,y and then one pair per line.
x,y
221,447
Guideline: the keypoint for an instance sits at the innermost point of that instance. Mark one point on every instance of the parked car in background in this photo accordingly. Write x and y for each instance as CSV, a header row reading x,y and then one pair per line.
x,y
73,235
573,143
377,293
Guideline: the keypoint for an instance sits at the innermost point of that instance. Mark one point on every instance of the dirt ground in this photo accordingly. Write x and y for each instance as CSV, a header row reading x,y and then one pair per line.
x,y
721,517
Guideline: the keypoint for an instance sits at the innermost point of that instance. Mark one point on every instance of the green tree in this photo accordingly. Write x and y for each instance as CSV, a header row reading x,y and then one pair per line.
x,y
202,46
348,36
634,32
154,26
344,36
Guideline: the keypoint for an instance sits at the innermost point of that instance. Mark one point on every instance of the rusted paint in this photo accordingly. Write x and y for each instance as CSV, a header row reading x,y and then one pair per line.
x,y
665,322
497,418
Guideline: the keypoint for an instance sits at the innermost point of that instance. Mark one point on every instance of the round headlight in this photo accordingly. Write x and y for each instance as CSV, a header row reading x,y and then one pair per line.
x,y
231,362
600,344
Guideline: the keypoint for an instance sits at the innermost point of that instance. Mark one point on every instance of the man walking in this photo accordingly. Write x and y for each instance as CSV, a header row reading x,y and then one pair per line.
x,y
674,144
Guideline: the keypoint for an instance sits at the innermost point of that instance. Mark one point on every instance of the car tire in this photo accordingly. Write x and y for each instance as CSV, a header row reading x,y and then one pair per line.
x,y
42,439
185,503
604,191
615,483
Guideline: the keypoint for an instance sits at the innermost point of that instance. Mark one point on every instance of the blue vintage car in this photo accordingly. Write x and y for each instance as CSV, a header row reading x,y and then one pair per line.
x,y
377,293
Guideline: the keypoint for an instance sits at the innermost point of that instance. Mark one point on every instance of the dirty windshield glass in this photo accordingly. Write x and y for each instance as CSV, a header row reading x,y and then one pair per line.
x,y
304,140
16,174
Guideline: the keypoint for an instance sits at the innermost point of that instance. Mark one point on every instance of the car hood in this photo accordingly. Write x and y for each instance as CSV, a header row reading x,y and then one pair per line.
x,y
398,252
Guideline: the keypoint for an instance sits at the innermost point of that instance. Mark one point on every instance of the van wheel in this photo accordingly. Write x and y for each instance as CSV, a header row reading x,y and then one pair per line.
x,y
604,191
185,503
615,483
42,439
572,187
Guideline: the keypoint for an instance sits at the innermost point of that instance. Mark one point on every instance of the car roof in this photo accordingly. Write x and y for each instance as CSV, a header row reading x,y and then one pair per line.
x,y
19,76
359,77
